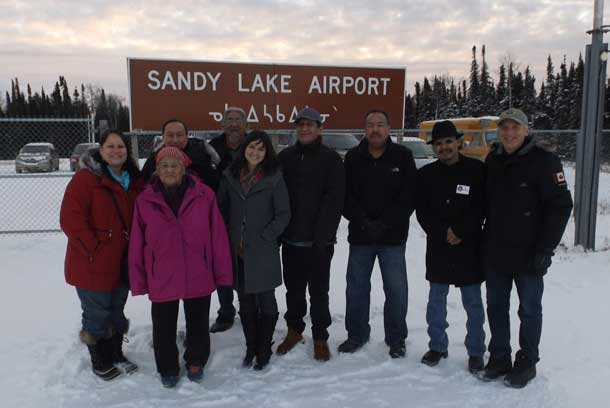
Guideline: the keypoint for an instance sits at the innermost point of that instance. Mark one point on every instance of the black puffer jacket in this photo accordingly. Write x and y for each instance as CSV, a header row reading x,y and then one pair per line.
x,y
203,164
452,196
528,205
315,179
380,190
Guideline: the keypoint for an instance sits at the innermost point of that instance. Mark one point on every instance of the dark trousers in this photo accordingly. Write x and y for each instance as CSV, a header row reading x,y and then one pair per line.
x,y
226,311
165,319
262,303
529,289
307,268
103,311
358,292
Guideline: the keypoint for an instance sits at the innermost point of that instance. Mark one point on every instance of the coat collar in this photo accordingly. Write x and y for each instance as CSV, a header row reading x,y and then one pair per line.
x,y
363,148
266,182
153,194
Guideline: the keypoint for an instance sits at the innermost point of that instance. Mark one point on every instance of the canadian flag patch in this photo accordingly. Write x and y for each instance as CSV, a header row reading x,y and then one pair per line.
x,y
560,178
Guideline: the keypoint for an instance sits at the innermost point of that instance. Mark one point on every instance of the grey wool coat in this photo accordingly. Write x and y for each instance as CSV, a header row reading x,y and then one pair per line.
x,y
260,217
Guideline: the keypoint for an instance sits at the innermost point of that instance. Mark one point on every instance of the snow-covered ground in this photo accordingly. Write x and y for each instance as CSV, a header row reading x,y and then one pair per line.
x,y
44,365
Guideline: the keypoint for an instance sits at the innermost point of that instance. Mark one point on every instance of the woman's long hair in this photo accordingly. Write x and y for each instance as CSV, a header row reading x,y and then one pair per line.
x,y
269,165
130,164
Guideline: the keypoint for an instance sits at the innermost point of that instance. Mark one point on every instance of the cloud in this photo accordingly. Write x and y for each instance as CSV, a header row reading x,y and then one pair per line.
x,y
89,41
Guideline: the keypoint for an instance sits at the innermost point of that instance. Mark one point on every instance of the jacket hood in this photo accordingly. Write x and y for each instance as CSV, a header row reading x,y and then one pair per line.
x,y
91,160
529,144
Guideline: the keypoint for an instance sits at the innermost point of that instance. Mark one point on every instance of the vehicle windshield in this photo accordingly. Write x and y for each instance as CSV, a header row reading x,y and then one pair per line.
x,y
420,149
340,141
82,148
35,149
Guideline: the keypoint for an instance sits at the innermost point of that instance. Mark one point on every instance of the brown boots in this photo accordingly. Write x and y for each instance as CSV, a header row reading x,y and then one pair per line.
x,y
320,347
290,341
320,350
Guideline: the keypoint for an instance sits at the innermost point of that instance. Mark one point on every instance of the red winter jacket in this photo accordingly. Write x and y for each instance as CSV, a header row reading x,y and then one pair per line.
x,y
95,233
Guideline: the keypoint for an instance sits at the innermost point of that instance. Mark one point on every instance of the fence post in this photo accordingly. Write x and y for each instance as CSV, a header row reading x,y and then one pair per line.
x,y
589,138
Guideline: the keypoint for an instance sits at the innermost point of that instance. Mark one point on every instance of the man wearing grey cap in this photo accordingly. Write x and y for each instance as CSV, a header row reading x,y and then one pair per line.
x,y
528,205
315,179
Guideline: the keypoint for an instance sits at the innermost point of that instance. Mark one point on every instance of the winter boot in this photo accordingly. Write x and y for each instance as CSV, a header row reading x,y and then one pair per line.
x,y
194,373
351,346
320,350
398,350
475,364
522,373
495,369
101,360
118,359
266,328
290,341
249,323
432,358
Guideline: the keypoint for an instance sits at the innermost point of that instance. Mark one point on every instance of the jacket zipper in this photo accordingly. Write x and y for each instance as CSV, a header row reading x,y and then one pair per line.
x,y
86,249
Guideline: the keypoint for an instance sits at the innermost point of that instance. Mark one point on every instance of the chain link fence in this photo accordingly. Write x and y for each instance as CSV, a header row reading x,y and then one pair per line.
x,y
36,161
35,167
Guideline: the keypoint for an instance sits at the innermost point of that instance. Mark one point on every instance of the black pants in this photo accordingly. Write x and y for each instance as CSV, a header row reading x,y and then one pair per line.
x,y
305,267
259,303
165,319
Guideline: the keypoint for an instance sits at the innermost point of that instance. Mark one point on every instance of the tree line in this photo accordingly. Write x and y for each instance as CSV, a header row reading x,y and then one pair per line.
x,y
81,102
553,104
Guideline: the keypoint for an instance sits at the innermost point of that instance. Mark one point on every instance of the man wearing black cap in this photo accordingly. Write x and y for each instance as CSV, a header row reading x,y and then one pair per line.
x,y
380,197
528,205
315,179
450,210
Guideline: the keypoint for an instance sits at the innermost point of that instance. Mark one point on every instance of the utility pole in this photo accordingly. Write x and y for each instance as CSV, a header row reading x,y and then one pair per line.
x,y
589,139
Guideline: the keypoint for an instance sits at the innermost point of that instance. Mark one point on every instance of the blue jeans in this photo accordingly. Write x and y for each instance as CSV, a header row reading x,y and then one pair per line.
x,y
436,316
394,274
529,288
103,311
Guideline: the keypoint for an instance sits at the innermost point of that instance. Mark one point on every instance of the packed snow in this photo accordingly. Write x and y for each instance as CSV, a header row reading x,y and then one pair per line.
x,y
45,365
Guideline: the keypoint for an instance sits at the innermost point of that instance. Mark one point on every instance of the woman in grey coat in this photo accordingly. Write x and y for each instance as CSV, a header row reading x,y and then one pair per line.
x,y
254,202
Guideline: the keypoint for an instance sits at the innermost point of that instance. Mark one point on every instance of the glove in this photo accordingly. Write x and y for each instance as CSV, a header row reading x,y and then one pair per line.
x,y
375,229
540,263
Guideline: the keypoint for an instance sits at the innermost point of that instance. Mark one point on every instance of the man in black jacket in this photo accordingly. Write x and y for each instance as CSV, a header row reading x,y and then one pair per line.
x,y
227,146
175,133
450,210
380,197
315,179
528,205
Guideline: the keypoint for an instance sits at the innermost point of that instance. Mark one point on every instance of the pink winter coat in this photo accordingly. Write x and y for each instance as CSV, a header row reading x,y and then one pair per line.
x,y
180,257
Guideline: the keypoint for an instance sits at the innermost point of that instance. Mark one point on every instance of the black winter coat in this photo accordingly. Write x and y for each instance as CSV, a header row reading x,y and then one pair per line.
x,y
219,144
452,196
315,179
201,164
528,205
382,190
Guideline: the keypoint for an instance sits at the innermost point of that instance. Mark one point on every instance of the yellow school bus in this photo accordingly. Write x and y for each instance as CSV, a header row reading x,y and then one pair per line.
x,y
479,133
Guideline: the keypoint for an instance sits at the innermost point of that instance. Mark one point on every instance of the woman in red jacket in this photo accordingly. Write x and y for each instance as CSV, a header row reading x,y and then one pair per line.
x,y
96,214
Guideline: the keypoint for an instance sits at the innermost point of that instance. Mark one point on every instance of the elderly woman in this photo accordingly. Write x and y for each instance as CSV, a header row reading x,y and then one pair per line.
x,y
178,251
254,201
95,214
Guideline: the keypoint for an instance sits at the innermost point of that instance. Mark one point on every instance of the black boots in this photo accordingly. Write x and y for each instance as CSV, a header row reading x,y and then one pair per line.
x,y
249,323
118,359
495,369
522,373
432,357
264,339
100,351
258,331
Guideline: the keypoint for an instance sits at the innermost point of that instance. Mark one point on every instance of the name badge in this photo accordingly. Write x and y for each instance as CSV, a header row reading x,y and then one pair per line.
x,y
464,190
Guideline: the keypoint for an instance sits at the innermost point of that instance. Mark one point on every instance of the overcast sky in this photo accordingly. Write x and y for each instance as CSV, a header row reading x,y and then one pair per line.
x,y
88,41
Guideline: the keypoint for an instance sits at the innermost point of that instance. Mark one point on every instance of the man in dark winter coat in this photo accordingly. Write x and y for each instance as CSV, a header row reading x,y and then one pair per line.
x,y
380,197
528,205
175,133
315,179
227,146
450,210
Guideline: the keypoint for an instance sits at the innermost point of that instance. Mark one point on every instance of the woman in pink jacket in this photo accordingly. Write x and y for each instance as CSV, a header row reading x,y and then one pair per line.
x,y
178,250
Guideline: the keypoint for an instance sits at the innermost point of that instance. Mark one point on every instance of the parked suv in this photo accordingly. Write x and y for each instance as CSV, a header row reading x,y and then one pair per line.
x,y
37,157
79,150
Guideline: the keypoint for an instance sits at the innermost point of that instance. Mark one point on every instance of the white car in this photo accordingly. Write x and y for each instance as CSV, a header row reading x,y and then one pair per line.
x,y
422,152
